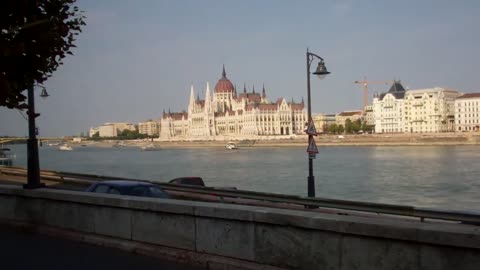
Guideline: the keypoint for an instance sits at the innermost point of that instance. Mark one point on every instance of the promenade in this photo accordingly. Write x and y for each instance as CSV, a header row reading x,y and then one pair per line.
x,y
403,139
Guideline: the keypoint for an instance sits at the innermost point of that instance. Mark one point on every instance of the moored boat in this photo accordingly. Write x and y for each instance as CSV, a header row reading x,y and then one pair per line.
x,y
150,147
65,147
231,146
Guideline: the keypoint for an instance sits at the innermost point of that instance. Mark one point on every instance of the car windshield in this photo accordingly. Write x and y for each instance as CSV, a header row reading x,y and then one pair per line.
x,y
156,192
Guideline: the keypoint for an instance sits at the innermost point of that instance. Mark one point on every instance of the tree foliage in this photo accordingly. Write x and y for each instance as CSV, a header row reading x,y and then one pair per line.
x,y
332,128
131,135
348,126
35,36
340,129
353,127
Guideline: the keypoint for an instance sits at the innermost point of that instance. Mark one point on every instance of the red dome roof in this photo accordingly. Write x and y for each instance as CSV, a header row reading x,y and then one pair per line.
x,y
224,85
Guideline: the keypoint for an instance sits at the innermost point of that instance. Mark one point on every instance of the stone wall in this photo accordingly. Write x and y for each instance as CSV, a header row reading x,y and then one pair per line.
x,y
221,236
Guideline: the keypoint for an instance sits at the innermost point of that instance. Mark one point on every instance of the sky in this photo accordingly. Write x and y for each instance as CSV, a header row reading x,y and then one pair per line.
x,y
136,58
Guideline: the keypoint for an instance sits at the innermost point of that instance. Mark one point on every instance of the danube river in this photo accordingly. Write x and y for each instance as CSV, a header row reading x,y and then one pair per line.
x,y
441,177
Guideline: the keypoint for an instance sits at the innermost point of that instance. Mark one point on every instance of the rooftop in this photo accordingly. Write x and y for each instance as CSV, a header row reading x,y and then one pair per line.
x,y
469,95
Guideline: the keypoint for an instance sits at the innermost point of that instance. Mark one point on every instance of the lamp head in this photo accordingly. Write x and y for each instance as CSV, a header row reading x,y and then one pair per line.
x,y
44,93
321,71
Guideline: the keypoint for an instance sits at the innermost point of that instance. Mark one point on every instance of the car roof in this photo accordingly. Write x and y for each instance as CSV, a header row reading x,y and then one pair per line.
x,y
125,183
186,177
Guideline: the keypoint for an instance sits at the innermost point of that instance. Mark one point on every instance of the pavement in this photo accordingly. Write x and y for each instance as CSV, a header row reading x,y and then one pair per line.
x,y
27,250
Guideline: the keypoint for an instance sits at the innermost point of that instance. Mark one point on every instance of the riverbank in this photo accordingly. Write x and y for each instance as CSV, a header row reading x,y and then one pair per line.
x,y
322,140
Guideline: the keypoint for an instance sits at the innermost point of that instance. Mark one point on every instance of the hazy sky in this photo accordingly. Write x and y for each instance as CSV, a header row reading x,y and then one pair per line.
x,y
136,58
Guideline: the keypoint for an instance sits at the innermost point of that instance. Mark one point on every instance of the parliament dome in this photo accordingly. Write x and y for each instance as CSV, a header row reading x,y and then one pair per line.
x,y
224,85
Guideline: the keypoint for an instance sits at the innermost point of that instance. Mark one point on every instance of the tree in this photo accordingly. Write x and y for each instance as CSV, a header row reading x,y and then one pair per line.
x,y
340,129
367,128
35,36
348,126
131,135
332,128
356,126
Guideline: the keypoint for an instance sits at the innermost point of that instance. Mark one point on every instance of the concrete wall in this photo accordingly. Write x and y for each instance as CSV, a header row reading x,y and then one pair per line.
x,y
244,237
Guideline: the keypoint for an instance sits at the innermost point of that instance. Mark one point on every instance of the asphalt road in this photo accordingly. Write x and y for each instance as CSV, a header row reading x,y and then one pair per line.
x,y
24,250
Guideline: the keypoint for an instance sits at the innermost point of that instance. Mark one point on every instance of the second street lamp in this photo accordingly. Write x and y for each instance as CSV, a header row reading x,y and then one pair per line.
x,y
321,72
33,167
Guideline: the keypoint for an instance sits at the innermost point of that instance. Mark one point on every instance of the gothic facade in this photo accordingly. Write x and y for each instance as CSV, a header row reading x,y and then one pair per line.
x,y
228,115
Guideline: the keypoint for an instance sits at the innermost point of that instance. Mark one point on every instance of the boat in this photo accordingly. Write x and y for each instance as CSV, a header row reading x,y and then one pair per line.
x,y
6,157
65,147
231,146
119,144
149,147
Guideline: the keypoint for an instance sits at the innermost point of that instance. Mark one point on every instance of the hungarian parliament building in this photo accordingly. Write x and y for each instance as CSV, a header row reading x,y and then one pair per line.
x,y
228,115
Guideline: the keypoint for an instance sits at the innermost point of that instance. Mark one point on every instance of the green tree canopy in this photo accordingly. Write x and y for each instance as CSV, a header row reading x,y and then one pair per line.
x,y
35,35
356,126
131,135
340,129
348,126
332,128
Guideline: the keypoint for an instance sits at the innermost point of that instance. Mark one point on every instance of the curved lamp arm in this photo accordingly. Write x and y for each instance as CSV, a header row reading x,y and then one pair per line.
x,y
311,57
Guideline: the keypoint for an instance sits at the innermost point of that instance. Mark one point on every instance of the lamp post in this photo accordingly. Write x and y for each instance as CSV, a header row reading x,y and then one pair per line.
x,y
33,166
321,72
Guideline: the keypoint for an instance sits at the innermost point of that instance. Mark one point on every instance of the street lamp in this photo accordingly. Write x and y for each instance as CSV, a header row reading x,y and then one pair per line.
x,y
321,72
33,167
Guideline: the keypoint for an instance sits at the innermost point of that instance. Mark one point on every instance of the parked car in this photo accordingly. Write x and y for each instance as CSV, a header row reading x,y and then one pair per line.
x,y
192,181
130,188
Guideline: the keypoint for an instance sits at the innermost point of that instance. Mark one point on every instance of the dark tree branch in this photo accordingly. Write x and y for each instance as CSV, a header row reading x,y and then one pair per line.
x,y
31,50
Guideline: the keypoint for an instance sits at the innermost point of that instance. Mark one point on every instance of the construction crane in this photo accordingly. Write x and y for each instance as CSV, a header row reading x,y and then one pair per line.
x,y
365,83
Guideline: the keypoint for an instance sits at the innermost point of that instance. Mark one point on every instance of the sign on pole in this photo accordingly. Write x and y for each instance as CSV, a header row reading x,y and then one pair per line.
x,y
312,147
312,155
311,130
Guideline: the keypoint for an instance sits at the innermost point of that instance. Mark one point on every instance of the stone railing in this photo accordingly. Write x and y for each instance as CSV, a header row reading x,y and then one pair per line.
x,y
220,236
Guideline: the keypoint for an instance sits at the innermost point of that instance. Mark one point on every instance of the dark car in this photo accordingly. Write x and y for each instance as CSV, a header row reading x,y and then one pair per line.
x,y
130,188
192,181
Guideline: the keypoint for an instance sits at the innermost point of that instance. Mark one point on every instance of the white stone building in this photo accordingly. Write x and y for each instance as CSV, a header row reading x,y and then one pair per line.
x,y
107,130
150,127
342,117
467,111
322,121
368,116
111,129
227,115
388,109
93,131
429,110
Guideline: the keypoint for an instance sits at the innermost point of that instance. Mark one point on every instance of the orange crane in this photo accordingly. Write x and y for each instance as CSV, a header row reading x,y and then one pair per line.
x,y
365,83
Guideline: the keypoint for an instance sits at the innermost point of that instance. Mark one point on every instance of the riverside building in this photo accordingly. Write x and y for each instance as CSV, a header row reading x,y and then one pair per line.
x,y
467,111
388,109
228,115
322,121
368,117
414,111
111,129
429,110
149,128
353,116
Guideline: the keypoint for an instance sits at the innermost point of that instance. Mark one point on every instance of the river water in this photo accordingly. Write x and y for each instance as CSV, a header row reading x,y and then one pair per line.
x,y
440,177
